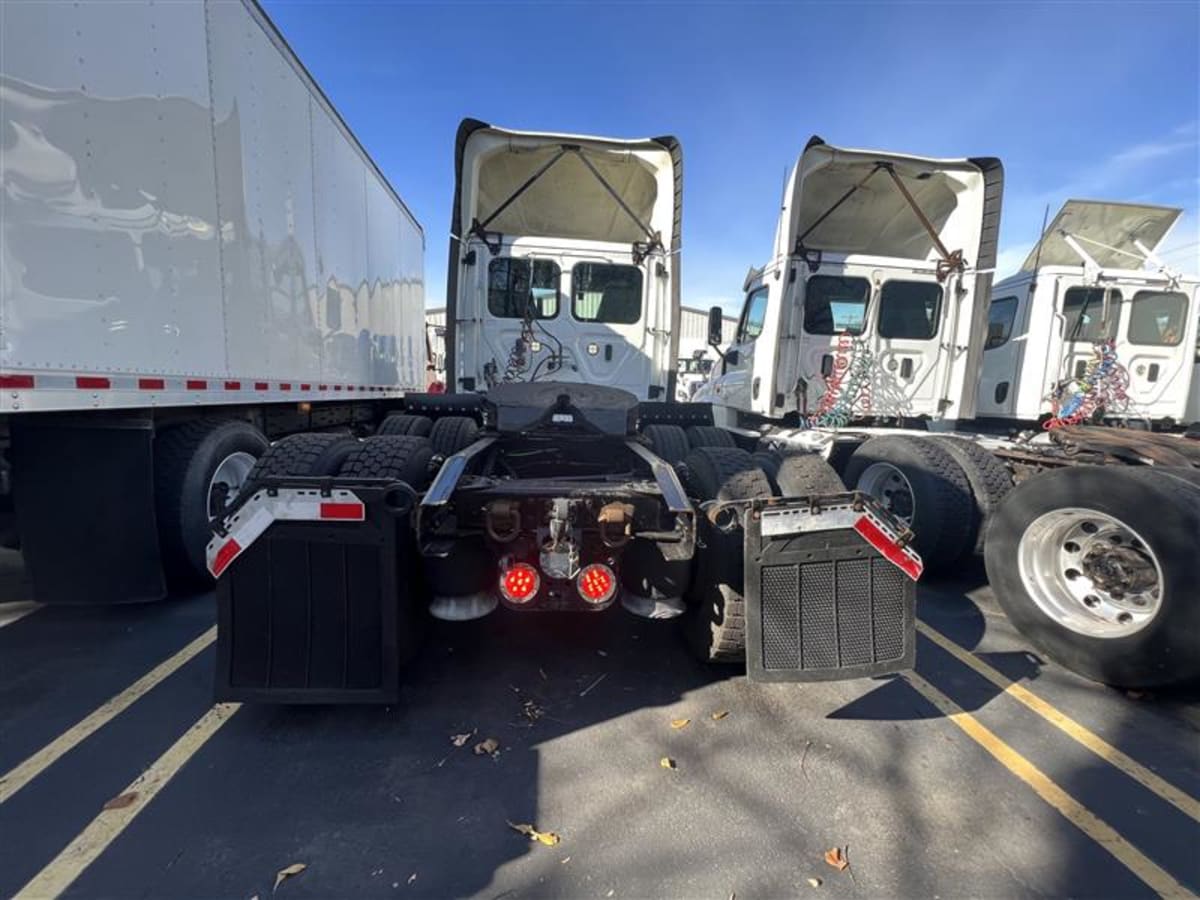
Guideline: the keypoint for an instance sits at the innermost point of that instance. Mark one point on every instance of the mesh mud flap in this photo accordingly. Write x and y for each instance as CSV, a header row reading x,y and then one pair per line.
x,y
822,601
316,611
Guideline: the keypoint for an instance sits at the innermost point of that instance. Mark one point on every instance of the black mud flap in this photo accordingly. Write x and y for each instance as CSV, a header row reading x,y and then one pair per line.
x,y
319,611
822,602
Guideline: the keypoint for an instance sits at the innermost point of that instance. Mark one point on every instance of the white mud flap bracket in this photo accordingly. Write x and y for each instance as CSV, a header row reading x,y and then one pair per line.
x,y
830,591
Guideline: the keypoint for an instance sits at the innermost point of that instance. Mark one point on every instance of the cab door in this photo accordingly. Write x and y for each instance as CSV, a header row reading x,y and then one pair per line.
x,y
833,305
1000,376
1158,351
735,386
1090,315
607,324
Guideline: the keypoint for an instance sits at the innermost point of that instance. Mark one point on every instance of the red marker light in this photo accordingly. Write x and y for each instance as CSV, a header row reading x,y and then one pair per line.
x,y
596,583
520,583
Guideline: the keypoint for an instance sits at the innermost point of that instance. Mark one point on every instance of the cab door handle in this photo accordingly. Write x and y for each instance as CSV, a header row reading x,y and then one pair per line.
x,y
827,365
906,367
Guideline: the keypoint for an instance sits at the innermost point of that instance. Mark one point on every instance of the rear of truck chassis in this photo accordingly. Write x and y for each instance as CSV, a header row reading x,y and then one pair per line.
x,y
559,503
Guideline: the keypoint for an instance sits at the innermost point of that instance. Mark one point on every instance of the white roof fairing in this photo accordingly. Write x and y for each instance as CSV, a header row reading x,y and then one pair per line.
x,y
872,216
1107,232
567,199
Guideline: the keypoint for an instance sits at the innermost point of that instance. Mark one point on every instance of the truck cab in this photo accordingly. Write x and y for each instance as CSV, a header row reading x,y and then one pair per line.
x,y
1093,296
563,261
879,277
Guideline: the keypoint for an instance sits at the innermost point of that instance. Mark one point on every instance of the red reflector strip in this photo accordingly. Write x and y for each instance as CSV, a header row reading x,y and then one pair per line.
x,y
233,385
306,387
902,558
152,384
197,384
261,386
285,386
337,387
92,383
322,387
349,387
223,557
16,381
354,511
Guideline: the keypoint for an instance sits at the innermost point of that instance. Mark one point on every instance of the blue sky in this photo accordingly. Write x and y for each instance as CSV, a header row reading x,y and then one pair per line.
x,y
1089,100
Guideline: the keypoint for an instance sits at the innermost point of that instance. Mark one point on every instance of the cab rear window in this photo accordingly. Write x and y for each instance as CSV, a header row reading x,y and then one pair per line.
x,y
835,305
601,292
1157,318
909,309
522,287
1083,308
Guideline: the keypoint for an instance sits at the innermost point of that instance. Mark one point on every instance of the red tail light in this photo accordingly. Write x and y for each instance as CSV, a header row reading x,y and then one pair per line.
x,y
519,583
596,583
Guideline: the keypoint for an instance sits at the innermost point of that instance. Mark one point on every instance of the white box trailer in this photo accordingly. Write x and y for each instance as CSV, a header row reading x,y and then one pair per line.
x,y
197,255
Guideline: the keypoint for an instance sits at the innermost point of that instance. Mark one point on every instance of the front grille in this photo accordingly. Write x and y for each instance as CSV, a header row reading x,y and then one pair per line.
x,y
832,614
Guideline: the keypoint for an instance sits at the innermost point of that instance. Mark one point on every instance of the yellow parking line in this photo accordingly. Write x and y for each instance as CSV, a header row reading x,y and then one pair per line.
x,y
108,825
1185,803
17,778
1076,813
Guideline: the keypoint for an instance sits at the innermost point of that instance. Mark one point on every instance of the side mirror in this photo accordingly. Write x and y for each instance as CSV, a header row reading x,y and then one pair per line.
x,y
716,327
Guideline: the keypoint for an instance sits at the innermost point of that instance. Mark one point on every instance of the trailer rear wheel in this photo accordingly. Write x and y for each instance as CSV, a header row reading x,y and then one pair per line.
x,y
709,436
715,622
199,467
798,474
451,434
669,442
989,479
921,484
396,457
1097,567
402,423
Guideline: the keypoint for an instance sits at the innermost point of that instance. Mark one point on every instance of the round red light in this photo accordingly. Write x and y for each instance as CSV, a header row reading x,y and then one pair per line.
x,y
520,583
596,583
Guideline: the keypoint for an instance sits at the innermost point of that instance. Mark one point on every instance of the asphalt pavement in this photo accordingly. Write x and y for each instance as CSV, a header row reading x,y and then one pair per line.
x,y
986,773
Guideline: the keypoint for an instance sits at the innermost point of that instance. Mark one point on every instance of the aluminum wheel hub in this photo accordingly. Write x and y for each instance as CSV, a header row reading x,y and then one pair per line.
x,y
891,488
1090,572
227,481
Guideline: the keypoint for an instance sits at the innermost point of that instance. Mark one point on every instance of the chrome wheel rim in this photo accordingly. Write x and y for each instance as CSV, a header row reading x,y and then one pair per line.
x,y
891,488
227,481
1090,572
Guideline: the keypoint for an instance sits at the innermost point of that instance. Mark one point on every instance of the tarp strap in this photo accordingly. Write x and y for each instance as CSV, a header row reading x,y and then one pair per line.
x,y
950,262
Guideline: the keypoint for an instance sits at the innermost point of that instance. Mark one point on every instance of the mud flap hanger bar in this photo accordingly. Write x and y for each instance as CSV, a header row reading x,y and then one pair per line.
x,y
951,261
853,510
641,249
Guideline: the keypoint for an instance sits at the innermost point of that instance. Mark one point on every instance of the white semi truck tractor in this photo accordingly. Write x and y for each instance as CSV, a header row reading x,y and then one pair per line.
x,y
557,473
865,337
196,257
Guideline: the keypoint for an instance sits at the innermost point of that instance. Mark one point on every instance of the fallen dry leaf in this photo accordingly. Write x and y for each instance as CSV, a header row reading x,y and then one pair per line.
x,y
837,859
549,838
490,746
460,740
720,714
815,882
287,872
122,800
667,763
680,723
